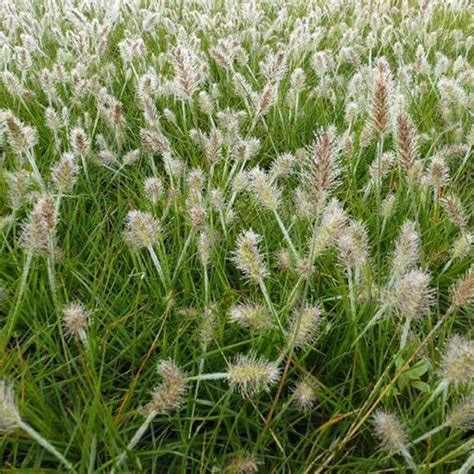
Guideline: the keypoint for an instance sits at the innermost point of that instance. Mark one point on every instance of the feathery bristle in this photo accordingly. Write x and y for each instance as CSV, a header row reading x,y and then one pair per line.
x,y
251,315
304,395
39,231
76,319
457,365
352,245
304,326
265,191
64,173
461,416
407,145
141,229
324,167
463,291
249,374
9,414
247,257
410,295
455,210
244,463
380,99
170,394
389,431
407,249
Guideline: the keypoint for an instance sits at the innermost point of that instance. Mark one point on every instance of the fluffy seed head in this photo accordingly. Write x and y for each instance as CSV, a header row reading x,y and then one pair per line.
x,y
21,138
267,194
332,223
9,414
389,431
240,182
265,100
457,365
75,319
187,76
388,206
410,295
154,141
380,168
204,247
407,145
252,315
64,173
245,463
80,142
463,292
352,245
247,257
141,229
39,231
283,165
304,395
462,415
131,157
304,326
324,166
19,187
250,375
462,245
455,210
153,188
380,99
170,394
406,253
438,173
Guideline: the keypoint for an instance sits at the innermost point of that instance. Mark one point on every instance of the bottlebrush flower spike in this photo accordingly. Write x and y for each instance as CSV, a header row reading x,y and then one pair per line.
x,y
381,98
21,138
244,463
153,188
39,232
187,77
304,326
407,146
324,166
170,394
249,374
268,195
76,320
64,173
438,173
304,395
455,210
463,292
9,415
462,246
252,315
407,249
80,142
457,365
461,416
410,295
154,142
353,245
333,221
247,257
141,229
389,431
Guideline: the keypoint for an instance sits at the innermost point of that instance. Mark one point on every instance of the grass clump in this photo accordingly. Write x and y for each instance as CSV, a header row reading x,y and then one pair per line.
x,y
236,236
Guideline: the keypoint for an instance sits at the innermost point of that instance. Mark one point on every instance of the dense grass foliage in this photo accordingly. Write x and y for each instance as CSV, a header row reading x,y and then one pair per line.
x,y
236,236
